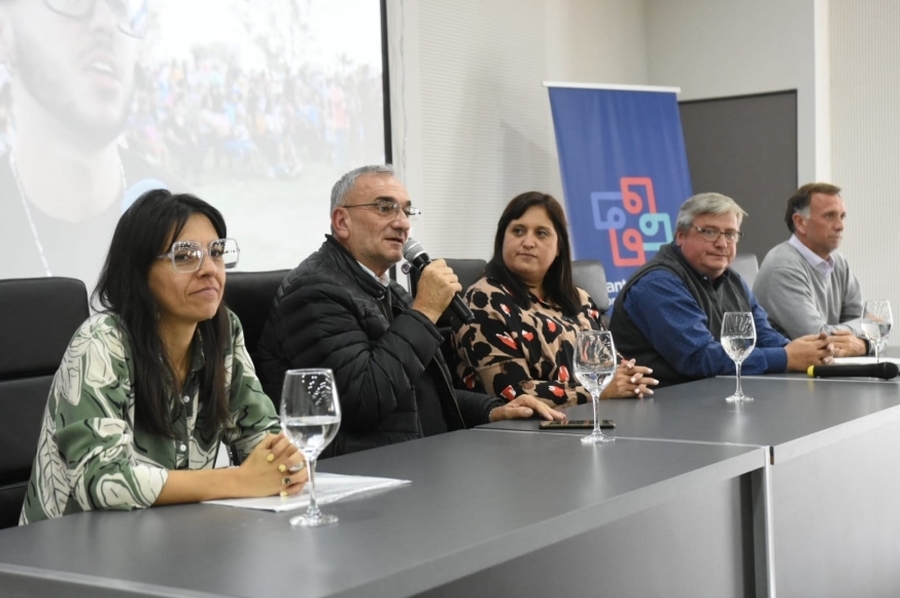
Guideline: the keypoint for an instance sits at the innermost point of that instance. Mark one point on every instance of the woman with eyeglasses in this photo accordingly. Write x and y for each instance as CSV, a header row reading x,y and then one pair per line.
x,y
150,386
528,311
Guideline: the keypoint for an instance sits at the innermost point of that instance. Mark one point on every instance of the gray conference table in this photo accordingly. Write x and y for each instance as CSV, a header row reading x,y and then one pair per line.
x,y
488,513
833,486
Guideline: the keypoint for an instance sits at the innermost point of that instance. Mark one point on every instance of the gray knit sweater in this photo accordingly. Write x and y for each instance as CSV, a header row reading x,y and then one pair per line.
x,y
801,300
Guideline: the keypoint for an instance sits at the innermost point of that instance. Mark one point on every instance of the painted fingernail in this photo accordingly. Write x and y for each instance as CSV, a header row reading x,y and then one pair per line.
x,y
270,457
283,493
282,468
285,481
633,379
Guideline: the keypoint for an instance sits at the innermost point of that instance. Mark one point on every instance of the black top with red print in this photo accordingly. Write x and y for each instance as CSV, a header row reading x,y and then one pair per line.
x,y
508,351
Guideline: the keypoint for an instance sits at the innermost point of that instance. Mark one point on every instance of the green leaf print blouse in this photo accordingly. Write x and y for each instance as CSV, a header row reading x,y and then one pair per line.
x,y
90,456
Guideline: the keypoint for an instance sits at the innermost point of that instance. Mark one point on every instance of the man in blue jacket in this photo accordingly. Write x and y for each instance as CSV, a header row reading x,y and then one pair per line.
x,y
669,314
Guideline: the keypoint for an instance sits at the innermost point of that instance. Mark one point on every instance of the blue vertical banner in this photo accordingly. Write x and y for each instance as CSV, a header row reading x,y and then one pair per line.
x,y
624,172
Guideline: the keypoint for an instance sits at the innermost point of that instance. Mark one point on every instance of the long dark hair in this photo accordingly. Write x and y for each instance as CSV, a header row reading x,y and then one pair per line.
x,y
559,287
145,231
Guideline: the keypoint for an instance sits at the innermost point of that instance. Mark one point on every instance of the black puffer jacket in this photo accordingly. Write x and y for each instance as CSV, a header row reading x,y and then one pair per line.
x,y
328,313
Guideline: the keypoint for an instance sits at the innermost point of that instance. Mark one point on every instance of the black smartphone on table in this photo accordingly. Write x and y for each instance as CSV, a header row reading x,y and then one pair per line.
x,y
576,424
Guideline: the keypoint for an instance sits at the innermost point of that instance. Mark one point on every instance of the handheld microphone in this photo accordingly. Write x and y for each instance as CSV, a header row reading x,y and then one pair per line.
x,y
414,253
885,370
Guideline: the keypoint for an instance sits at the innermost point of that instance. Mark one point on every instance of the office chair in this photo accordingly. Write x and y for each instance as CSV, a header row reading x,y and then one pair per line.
x,y
38,317
468,271
747,266
249,295
590,276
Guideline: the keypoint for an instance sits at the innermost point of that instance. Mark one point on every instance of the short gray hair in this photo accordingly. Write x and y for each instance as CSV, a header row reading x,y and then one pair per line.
x,y
346,182
707,203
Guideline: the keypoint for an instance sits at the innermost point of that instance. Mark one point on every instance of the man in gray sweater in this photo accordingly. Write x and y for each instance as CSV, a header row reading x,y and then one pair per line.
x,y
804,284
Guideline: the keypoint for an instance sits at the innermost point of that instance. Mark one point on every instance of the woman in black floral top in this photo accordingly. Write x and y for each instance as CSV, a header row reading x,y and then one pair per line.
x,y
528,311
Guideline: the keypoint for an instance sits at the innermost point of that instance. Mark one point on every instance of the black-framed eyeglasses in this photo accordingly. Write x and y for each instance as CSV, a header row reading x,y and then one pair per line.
x,y
187,256
389,208
131,15
712,234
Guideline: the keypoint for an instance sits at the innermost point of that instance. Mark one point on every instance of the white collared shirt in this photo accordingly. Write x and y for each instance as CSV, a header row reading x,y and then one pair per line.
x,y
384,280
824,267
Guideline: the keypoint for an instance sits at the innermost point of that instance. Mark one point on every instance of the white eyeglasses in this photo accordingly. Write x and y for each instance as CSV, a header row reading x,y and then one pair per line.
x,y
187,256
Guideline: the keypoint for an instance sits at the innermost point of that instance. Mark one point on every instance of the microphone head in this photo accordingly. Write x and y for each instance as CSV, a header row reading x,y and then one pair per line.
x,y
888,370
412,249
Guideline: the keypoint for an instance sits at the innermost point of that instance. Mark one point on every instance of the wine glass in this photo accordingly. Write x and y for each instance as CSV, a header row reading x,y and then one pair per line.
x,y
595,366
310,417
876,323
738,339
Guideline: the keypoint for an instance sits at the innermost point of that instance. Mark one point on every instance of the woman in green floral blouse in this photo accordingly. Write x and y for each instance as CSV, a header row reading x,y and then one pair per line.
x,y
150,386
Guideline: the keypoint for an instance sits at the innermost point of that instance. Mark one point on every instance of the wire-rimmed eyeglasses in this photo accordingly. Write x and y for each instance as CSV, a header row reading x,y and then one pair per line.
x,y
131,15
187,256
389,208
712,234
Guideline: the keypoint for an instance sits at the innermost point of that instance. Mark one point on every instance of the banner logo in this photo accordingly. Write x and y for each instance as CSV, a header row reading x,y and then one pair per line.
x,y
624,172
634,224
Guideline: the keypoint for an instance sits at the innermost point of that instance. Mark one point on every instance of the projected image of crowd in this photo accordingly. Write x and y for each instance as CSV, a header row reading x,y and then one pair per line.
x,y
259,104
209,116
232,100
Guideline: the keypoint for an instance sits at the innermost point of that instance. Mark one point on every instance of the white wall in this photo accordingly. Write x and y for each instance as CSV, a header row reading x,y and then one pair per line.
x,y
865,127
472,124
719,48
471,119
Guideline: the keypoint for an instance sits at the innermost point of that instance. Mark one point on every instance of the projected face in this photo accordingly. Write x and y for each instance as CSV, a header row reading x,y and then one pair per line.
x,y
78,70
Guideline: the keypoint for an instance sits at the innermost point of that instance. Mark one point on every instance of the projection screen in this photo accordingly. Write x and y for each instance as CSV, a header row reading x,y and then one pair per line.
x,y
256,106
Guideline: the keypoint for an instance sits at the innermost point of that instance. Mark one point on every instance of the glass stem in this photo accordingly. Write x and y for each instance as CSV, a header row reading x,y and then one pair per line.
x,y
738,392
313,510
595,399
877,344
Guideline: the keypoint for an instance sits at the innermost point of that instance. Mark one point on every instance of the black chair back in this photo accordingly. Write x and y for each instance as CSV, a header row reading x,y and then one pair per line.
x,y
468,271
38,317
590,276
249,295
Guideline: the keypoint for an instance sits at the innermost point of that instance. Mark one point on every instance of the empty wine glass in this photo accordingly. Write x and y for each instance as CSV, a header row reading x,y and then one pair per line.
x,y
595,366
876,323
310,417
738,339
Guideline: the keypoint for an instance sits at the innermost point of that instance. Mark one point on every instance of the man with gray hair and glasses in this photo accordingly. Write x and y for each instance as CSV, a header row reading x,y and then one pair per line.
x,y
804,284
339,309
669,314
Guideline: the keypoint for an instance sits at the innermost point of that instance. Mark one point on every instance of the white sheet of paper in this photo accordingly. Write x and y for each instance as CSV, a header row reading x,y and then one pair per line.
x,y
863,360
330,487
